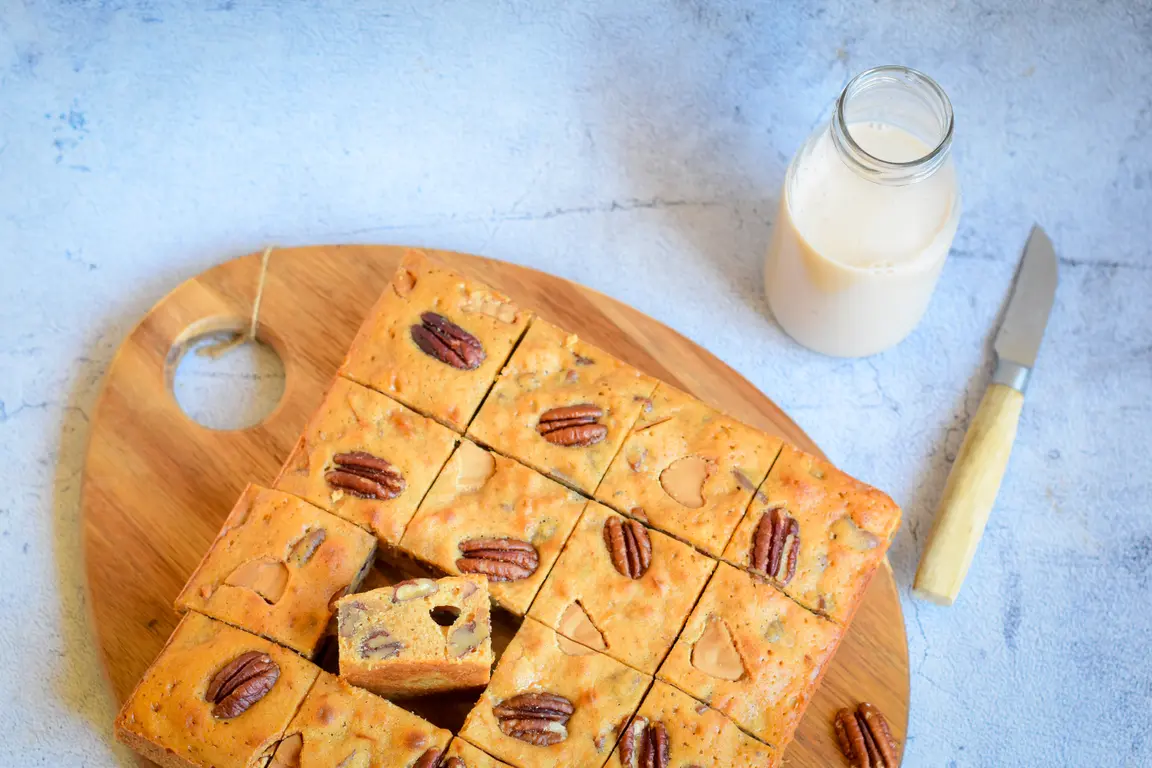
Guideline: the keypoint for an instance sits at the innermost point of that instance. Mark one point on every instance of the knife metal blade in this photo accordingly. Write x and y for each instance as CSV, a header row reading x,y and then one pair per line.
x,y
1018,340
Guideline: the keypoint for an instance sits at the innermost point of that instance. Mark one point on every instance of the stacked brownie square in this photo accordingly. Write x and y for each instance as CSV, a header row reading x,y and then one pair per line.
x,y
681,580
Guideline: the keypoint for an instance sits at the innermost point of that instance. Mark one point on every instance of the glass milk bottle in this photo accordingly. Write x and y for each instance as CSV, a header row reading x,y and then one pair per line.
x,y
867,214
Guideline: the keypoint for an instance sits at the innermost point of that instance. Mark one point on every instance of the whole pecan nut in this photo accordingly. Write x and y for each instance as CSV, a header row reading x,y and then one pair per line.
x,y
440,338
771,551
362,474
537,718
573,426
865,738
629,546
498,559
645,745
241,683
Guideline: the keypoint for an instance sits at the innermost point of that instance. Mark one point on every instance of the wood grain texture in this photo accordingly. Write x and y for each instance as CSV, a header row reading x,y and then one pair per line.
x,y
969,495
157,486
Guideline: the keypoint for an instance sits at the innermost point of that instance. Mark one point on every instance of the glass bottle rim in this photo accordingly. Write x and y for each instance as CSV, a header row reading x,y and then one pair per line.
x,y
907,170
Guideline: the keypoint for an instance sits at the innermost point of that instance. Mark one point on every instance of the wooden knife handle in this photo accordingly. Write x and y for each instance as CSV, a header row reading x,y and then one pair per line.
x,y
969,496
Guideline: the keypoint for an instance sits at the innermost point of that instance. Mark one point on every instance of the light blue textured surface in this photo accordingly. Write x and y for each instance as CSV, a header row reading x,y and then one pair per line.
x,y
636,147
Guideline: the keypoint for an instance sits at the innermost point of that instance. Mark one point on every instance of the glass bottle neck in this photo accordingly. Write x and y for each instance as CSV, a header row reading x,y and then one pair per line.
x,y
893,99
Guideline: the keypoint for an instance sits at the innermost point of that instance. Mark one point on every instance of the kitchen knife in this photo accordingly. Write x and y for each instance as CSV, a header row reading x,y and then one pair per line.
x,y
979,466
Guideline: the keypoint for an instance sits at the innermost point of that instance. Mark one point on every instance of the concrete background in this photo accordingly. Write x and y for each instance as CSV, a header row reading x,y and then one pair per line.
x,y
637,147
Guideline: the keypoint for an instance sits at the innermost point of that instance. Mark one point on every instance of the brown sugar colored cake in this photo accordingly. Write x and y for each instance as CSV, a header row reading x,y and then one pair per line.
x,y
489,515
671,723
817,533
367,459
340,725
553,702
277,566
622,589
753,654
435,340
688,470
416,637
562,406
215,697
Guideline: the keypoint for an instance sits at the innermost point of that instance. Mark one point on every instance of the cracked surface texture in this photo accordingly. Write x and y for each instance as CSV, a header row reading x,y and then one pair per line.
x,y
637,148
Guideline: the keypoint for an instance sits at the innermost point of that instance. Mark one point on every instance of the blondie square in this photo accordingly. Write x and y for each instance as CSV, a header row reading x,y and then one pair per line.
x,y
215,697
367,459
688,470
276,568
416,637
622,589
461,754
487,514
691,734
753,654
562,406
435,340
553,702
340,725
816,533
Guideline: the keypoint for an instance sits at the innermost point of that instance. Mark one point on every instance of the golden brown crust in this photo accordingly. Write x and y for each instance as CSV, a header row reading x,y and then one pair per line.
x,y
733,461
356,420
385,357
169,719
637,618
482,495
552,370
603,693
274,567
390,641
781,653
845,529
337,720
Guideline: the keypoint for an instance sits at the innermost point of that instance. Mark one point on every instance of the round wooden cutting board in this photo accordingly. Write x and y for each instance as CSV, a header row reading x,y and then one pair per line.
x,y
157,485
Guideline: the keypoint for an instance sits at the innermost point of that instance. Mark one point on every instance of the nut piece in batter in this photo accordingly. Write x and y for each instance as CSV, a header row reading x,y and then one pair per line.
x,y
275,567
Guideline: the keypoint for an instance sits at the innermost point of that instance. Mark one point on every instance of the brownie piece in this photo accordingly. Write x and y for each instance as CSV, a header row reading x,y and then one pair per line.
x,y
339,725
622,589
215,697
553,702
562,406
490,515
691,734
276,567
367,459
435,340
753,654
468,756
817,533
688,470
416,637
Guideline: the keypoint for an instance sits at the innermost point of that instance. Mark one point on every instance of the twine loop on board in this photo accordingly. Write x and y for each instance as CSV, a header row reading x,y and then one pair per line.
x,y
219,348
